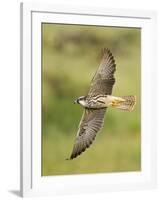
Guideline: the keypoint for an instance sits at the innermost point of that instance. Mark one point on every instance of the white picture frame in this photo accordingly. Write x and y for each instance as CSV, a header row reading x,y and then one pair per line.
x,y
32,183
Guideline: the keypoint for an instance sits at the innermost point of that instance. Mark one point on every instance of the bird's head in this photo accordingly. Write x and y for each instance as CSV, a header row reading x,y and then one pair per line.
x,y
81,100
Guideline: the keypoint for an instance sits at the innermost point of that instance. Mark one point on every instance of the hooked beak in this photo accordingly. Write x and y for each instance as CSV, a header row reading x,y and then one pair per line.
x,y
75,101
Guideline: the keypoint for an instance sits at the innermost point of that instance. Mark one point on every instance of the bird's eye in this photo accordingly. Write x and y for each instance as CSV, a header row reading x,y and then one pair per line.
x,y
81,98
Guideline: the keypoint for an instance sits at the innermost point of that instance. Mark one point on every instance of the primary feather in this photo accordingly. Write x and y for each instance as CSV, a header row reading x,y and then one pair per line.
x,y
97,101
92,119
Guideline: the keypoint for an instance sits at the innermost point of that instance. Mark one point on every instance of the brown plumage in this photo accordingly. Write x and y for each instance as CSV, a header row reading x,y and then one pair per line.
x,y
97,101
91,123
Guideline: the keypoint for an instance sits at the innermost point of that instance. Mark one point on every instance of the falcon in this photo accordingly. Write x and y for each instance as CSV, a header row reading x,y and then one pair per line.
x,y
96,102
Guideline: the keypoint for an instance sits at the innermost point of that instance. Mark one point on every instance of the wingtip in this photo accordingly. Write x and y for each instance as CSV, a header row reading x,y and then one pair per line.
x,y
77,154
69,158
106,52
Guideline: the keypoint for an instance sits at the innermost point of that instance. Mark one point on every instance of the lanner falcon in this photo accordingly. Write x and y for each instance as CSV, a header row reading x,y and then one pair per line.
x,y
97,101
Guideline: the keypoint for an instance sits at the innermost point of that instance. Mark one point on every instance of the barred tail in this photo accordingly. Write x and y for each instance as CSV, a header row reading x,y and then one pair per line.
x,y
127,103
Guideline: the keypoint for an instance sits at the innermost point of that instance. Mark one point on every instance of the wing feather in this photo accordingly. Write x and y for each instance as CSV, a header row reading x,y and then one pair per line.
x,y
103,80
91,123
92,120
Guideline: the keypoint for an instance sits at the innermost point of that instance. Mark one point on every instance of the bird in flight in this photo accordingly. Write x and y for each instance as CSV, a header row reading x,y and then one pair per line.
x,y
96,102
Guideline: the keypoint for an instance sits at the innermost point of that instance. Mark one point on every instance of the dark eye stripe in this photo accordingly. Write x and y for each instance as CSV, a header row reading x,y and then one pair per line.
x,y
82,98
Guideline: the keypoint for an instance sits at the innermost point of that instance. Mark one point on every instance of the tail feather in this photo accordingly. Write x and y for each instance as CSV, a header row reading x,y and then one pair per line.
x,y
128,104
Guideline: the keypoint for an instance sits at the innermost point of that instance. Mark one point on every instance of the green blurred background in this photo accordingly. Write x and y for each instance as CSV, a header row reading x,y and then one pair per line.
x,y
70,56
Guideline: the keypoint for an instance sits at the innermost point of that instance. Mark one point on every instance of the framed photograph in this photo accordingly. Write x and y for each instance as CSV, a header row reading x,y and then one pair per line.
x,y
88,78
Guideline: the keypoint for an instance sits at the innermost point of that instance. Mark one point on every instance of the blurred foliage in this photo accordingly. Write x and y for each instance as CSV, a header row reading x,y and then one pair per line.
x,y
70,57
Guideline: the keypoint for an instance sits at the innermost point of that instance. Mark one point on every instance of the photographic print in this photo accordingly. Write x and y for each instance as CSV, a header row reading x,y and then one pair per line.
x,y
88,78
91,110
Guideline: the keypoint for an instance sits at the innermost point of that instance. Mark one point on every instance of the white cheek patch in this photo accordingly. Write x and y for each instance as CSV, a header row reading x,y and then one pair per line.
x,y
82,102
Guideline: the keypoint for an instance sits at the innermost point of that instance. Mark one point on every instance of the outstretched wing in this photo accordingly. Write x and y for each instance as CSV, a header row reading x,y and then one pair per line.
x,y
103,80
91,123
